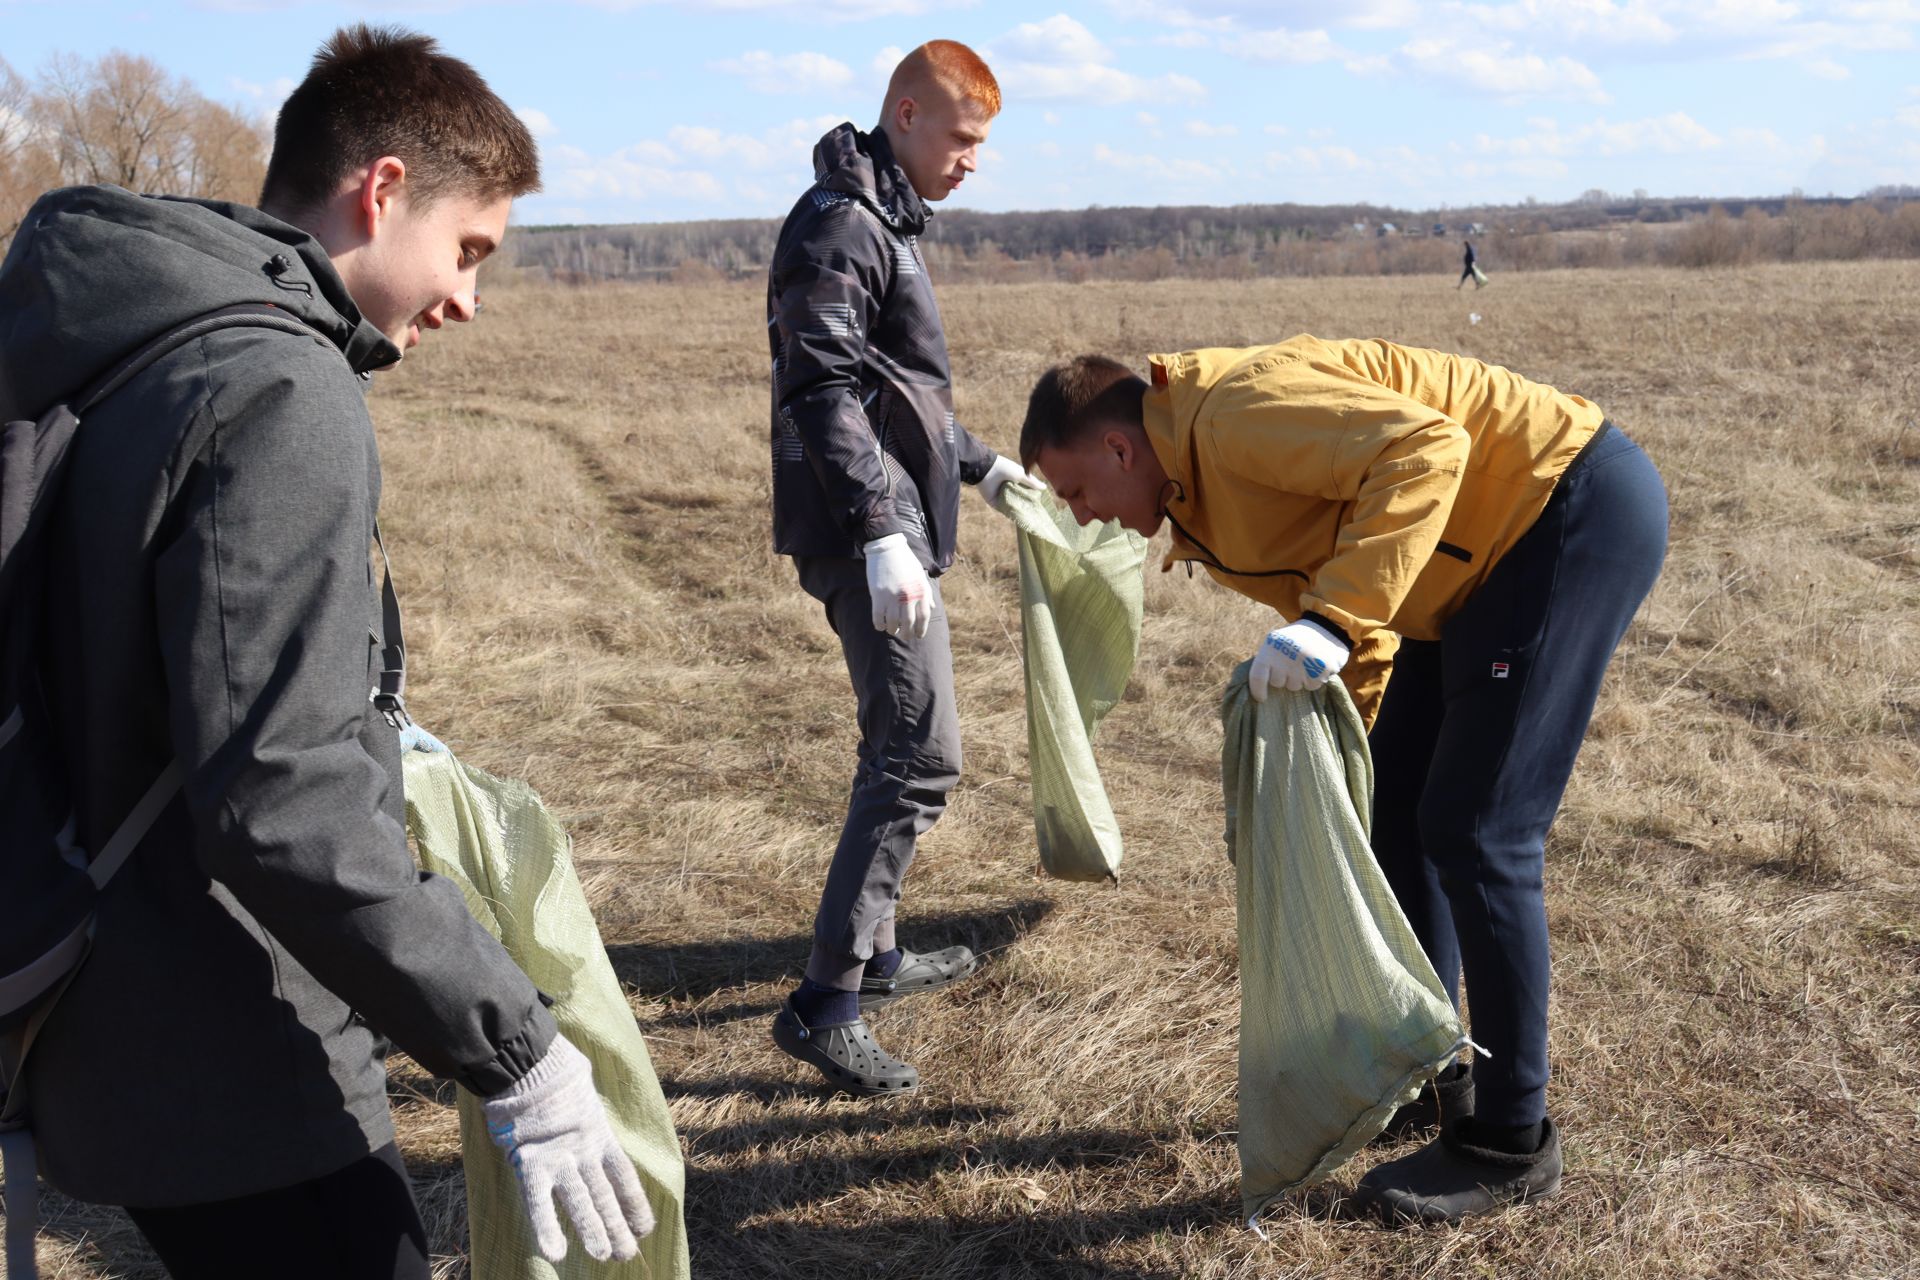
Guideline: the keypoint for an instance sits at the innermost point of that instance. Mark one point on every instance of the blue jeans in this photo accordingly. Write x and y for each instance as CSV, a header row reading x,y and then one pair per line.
x,y
1475,742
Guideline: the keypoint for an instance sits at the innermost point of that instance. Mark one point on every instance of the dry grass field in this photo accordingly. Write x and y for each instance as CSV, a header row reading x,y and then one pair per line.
x,y
576,491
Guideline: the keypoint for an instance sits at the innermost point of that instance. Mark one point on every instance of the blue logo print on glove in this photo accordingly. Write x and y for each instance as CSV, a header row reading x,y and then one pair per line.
x,y
1287,648
1314,668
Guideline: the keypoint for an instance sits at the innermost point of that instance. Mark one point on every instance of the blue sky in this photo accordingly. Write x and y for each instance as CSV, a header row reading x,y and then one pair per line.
x,y
654,110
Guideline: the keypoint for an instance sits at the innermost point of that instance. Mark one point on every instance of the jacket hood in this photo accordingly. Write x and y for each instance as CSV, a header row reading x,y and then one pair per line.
x,y
862,165
94,272
1178,385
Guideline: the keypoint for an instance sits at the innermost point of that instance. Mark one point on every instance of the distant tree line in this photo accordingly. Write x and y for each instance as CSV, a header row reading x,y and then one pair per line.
x,y
1247,241
123,120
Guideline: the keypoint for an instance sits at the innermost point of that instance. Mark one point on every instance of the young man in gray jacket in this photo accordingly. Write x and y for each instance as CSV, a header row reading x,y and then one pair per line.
x,y
867,467
216,1065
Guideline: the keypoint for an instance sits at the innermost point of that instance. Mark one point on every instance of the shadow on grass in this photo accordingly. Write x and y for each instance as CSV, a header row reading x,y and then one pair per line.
x,y
904,1114
1044,1242
694,971
726,1198
106,1235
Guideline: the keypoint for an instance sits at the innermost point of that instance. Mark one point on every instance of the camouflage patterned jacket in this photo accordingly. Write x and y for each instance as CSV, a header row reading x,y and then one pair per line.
x,y
864,441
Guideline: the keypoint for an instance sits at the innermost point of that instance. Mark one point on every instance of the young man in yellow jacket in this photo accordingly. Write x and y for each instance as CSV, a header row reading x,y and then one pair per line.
x,y
1484,540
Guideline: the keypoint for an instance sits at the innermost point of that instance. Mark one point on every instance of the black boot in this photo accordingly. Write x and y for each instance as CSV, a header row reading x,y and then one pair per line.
x,y
1446,1099
1455,1177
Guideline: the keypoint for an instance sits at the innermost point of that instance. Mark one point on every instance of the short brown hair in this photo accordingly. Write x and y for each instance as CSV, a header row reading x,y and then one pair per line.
x,y
1071,399
952,66
385,91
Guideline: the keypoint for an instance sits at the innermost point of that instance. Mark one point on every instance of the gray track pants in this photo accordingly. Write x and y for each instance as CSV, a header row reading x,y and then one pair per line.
x,y
909,760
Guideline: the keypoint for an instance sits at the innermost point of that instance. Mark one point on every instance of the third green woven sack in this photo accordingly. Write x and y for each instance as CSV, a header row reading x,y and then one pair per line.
x,y
514,863
1342,1018
1080,606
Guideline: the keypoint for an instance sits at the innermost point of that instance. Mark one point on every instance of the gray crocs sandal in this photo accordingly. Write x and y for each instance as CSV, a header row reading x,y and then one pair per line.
x,y
918,972
845,1053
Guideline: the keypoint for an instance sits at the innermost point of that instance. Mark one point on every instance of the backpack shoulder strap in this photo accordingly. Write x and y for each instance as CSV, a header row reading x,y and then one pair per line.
x,y
250,314
147,811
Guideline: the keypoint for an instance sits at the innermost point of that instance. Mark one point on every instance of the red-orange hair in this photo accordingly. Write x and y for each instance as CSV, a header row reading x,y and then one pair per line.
x,y
952,66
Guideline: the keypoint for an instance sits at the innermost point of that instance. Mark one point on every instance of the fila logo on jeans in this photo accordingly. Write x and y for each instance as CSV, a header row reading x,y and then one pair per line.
x,y
1501,670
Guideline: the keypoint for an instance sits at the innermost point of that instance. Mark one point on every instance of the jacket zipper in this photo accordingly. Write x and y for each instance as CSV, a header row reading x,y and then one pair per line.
x,y
1213,561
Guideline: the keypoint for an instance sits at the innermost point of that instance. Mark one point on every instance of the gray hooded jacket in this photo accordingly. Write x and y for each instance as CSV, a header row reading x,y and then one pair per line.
x,y
213,599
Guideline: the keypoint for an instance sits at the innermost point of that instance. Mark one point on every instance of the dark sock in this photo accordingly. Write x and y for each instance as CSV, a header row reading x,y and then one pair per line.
x,y
1514,1139
820,1006
884,964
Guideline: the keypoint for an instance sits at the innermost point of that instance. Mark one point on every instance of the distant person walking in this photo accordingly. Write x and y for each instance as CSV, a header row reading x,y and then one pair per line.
x,y
1470,270
867,467
217,1063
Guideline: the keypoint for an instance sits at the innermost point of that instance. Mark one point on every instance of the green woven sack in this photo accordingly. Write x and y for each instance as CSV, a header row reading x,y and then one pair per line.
x,y
1342,1018
514,863
1081,600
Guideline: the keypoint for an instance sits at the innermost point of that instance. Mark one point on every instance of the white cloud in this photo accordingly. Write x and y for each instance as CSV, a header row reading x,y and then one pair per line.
x,y
538,122
14,128
1206,129
265,99
691,165
1325,159
1828,69
1555,34
634,173
1056,39
1675,133
1581,22
1179,171
1226,31
786,147
802,72
885,61
1909,116
1499,70
1050,117
804,10
1059,59
1281,45
1225,16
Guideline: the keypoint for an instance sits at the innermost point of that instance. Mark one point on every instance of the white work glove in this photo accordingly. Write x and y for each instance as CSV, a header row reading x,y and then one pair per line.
x,y
902,596
555,1132
1300,655
1003,471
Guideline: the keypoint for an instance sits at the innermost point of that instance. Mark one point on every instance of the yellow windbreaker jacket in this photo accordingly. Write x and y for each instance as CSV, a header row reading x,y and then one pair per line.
x,y
1373,484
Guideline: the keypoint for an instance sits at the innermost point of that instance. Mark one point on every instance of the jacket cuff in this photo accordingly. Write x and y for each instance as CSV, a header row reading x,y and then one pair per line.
x,y
1328,625
1354,630
976,459
878,522
517,1055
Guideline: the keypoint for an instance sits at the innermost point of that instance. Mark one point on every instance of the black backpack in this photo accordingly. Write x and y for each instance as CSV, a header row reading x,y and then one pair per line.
x,y
48,883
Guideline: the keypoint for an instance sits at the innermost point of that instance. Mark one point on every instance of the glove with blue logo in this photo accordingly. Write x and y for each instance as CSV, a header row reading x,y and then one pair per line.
x,y
1300,655
555,1131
